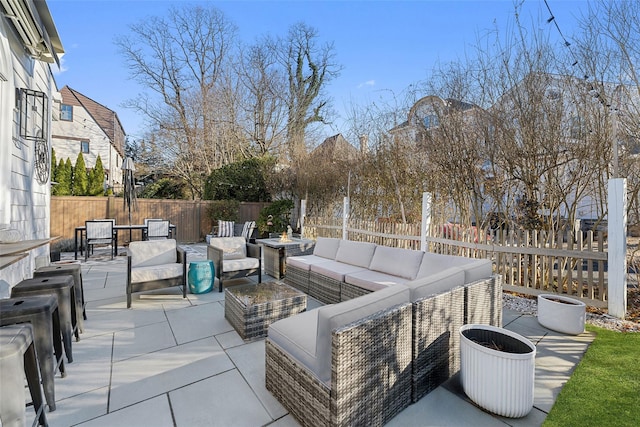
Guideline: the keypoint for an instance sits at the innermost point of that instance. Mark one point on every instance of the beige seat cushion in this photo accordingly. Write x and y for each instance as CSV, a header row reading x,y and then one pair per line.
x,y
304,262
296,335
155,272
157,252
239,264
373,280
335,270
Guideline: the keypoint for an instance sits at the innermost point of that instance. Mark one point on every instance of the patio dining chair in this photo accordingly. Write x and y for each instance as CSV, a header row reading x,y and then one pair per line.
x,y
99,232
157,229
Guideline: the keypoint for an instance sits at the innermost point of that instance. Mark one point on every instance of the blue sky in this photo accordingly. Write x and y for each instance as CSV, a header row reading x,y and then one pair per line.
x,y
383,46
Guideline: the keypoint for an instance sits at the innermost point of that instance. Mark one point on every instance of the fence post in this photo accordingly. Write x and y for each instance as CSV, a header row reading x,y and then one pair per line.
x,y
426,220
345,218
617,251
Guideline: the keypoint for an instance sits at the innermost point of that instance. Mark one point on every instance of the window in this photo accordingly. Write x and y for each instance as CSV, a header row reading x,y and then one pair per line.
x,y
84,146
578,128
431,121
66,112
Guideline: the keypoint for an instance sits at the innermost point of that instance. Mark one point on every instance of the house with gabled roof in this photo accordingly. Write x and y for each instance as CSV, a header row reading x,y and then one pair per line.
x,y
82,125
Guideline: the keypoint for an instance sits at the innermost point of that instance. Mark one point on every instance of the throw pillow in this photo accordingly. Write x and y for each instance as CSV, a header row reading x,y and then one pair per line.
x,y
225,228
247,230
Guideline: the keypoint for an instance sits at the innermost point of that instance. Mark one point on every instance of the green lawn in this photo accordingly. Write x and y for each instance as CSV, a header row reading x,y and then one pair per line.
x,y
604,390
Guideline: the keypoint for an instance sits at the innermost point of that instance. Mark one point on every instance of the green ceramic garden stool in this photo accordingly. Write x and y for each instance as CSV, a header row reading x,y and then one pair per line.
x,y
17,361
62,287
201,275
42,312
74,269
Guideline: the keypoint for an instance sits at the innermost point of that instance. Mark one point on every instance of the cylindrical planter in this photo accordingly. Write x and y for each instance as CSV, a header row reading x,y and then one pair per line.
x,y
561,314
497,369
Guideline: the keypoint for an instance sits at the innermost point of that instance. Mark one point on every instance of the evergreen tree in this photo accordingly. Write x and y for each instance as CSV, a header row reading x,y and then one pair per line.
x,y
63,178
80,177
54,165
96,179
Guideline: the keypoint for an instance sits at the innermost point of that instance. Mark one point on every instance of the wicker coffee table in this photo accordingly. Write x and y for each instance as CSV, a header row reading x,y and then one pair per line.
x,y
252,308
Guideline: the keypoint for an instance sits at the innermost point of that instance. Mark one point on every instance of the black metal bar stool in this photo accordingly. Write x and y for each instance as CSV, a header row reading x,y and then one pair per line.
x,y
75,270
17,361
42,312
62,286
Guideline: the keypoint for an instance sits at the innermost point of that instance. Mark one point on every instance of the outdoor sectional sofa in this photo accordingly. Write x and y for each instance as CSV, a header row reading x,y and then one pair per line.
x,y
393,338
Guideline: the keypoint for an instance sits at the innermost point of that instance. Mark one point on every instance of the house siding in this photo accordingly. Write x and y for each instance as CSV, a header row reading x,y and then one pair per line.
x,y
24,201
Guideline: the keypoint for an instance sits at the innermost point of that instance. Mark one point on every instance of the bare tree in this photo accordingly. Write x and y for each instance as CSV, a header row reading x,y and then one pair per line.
x,y
309,67
182,59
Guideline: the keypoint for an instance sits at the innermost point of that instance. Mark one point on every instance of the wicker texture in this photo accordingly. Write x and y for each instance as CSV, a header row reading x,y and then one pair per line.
x,y
483,302
323,288
253,320
349,291
370,377
276,253
298,278
436,342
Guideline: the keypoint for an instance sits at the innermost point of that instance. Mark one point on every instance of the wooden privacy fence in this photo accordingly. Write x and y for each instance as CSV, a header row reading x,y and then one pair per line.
x,y
189,216
531,262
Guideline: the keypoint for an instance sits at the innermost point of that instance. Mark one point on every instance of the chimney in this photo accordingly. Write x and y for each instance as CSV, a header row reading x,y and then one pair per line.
x,y
364,144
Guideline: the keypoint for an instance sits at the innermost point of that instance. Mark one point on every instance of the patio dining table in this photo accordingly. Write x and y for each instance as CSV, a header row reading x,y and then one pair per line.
x,y
81,231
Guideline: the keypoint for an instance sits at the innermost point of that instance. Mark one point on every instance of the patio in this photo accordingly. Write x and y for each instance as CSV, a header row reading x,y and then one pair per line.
x,y
170,361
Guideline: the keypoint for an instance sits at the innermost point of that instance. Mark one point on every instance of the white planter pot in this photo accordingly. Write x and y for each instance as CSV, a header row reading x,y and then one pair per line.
x,y
500,381
567,316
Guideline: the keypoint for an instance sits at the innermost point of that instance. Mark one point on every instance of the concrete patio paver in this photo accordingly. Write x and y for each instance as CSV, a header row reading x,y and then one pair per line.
x,y
178,362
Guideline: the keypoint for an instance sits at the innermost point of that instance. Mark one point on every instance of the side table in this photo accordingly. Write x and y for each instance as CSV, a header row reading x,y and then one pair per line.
x,y
201,276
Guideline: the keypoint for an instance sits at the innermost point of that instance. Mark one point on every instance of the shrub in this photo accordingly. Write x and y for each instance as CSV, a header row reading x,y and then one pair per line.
x,y
275,217
225,210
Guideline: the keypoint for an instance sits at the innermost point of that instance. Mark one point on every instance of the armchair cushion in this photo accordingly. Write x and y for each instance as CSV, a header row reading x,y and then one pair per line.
x,y
239,264
232,247
159,252
156,272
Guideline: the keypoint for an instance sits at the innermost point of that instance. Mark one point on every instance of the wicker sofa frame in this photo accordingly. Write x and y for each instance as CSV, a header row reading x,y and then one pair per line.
x,y
368,386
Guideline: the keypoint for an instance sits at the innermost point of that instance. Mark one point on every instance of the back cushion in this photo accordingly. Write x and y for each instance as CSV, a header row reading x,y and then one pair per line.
x,y
396,262
475,269
334,316
326,247
436,283
153,252
225,228
232,247
355,253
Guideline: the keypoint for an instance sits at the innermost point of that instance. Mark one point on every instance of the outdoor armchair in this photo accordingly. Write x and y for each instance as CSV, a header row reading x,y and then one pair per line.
x,y
233,257
155,265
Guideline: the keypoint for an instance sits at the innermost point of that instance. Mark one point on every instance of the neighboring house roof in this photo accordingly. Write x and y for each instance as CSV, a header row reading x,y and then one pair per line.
x,y
336,147
106,118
